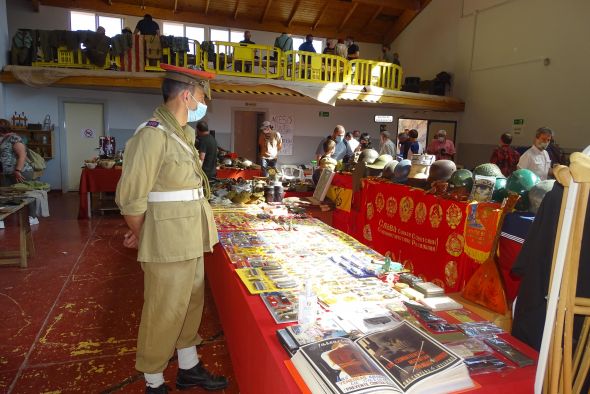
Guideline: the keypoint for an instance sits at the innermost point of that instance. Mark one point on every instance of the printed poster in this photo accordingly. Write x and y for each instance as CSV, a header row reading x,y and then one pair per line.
x,y
285,126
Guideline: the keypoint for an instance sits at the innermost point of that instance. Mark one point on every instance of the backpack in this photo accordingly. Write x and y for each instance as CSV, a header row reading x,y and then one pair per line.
x,y
35,160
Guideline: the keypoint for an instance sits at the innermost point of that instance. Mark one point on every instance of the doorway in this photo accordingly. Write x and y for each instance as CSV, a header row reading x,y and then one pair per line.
x,y
427,129
83,124
245,133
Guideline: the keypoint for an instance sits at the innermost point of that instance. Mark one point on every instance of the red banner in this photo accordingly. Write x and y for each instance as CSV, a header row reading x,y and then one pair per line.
x,y
424,232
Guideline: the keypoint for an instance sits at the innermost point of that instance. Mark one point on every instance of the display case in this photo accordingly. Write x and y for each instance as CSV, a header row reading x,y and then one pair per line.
x,y
39,140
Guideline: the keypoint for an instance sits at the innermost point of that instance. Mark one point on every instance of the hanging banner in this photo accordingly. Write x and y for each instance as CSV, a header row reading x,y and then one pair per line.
x,y
285,126
422,231
480,229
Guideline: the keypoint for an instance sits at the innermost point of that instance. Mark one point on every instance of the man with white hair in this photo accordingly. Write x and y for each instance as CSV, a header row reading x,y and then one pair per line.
x,y
441,147
536,157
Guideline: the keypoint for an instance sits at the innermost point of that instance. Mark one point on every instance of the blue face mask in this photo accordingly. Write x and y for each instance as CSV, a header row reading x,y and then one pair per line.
x,y
339,139
194,115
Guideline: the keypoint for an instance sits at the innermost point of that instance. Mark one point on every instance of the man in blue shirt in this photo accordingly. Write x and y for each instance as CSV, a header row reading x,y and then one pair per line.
x,y
342,150
307,46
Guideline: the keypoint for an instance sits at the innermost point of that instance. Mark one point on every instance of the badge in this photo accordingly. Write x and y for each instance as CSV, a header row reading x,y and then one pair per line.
x,y
455,244
439,283
420,214
451,273
367,232
152,123
391,207
406,208
436,214
370,211
379,202
454,216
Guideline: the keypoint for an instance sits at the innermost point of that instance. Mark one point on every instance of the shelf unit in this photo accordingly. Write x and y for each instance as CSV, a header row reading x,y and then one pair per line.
x,y
38,140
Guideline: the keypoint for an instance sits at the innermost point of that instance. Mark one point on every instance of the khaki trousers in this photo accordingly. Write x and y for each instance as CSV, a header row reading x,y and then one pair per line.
x,y
173,300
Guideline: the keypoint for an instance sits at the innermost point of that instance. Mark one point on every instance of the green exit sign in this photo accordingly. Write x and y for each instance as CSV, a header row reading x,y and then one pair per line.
x,y
518,122
324,114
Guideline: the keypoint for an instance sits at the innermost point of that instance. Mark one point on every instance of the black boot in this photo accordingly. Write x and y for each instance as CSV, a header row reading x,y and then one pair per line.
x,y
161,389
199,376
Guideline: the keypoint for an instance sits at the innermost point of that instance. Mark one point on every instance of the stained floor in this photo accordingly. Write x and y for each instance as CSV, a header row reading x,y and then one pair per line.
x,y
68,322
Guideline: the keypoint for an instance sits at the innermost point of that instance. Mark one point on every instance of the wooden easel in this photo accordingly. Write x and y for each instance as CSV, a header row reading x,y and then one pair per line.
x,y
563,369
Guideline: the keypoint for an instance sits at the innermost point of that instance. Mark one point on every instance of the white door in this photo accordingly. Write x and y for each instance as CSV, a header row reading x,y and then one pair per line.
x,y
84,123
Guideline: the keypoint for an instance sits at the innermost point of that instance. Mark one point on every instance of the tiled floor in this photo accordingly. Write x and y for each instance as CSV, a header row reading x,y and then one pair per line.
x,y
68,322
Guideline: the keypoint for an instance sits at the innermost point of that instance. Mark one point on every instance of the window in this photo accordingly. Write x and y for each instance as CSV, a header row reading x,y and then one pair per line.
x,y
236,35
297,41
196,34
219,35
173,29
82,21
317,44
89,21
112,26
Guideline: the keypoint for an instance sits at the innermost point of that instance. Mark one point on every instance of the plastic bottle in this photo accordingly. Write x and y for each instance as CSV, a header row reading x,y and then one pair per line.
x,y
308,306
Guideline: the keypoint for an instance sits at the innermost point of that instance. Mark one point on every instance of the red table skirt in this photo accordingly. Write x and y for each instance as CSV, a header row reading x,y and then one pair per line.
x,y
95,181
258,358
236,173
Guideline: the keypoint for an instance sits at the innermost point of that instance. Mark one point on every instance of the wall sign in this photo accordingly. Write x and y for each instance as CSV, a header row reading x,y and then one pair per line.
x,y
285,126
324,114
383,118
87,133
517,126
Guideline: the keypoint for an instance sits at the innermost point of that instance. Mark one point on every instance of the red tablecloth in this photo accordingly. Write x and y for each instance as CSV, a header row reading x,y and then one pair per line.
x,y
95,181
258,358
236,173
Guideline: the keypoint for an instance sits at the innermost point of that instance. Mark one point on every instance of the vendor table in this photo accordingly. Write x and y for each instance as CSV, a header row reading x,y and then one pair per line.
x,y
26,246
98,180
258,358
235,173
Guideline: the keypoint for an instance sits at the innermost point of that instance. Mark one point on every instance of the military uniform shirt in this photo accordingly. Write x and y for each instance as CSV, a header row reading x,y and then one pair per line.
x,y
175,230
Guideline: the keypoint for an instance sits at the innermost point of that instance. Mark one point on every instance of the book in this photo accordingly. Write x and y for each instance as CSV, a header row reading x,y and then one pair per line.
x,y
402,359
443,303
321,189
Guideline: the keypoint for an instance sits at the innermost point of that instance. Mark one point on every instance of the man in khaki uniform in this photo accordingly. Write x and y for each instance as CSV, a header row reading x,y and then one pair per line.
x,y
161,197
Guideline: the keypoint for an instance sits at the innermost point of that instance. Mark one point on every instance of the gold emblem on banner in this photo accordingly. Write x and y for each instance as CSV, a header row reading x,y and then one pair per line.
x,y
367,232
451,273
436,214
406,208
420,213
391,207
408,265
370,211
455,244
439,282
454,216
379,202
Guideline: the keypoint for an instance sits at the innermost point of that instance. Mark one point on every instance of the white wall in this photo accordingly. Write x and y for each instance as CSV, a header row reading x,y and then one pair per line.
x,y
495,49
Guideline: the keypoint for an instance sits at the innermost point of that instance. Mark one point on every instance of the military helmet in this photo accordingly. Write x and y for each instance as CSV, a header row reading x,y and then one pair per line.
x,y
500,191
441,170
389,170
537,193
402,171
368,156
488,169
521,182
462,178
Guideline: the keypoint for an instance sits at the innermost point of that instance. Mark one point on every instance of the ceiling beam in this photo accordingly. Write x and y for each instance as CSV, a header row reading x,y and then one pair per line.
x,y
293,12
236,10
402,22
320,15
347,17
266,8
36,5
213,19
175,6
396,4
207,3
373,17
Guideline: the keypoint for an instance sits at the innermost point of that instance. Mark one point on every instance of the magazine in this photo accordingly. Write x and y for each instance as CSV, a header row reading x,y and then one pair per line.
x,y
402,359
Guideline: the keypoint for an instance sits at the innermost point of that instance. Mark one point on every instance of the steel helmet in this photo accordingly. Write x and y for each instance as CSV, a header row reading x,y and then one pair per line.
x,y
441,170
402,171
537,193
521,182
488,169
368,156
389,170
462,178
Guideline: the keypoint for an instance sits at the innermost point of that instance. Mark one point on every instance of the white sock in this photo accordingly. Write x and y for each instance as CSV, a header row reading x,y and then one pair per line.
x,y
154,379
187,357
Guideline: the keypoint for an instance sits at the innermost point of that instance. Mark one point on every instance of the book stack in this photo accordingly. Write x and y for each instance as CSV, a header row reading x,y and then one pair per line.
x,y
398,360
429,289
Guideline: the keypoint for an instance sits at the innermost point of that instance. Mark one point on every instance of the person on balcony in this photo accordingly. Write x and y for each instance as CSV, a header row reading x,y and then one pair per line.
x,y
330,48
353,51
97,47
247,38
341,48
147,27
284,42
307,46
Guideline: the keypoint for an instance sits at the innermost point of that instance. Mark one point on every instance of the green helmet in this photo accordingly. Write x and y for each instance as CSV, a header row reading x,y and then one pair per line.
x,y
462,178
500,192
537,193
520,182
488,169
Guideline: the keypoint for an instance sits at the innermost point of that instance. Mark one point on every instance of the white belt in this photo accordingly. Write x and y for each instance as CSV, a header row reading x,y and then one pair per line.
x,y
179,195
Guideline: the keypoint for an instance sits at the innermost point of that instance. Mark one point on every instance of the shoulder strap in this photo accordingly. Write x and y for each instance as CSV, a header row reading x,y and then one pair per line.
x,y
157,125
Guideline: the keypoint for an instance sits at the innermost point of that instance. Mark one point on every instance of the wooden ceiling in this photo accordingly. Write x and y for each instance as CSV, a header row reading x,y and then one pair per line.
x,y
375,21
